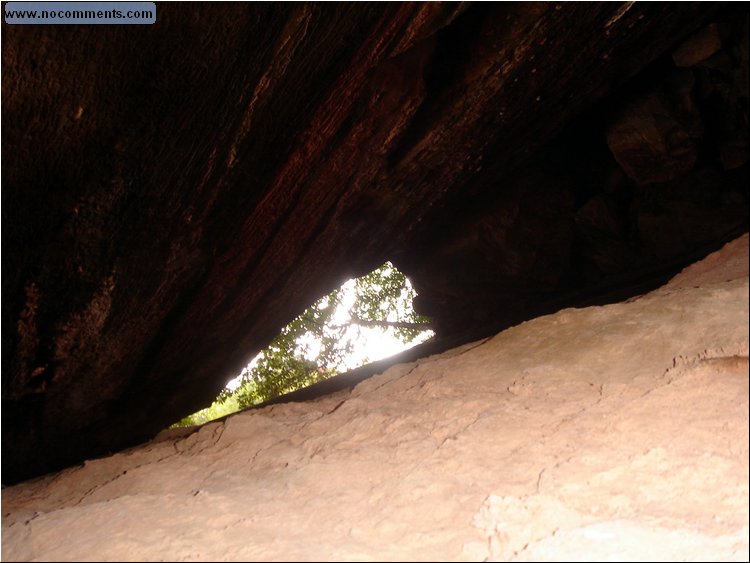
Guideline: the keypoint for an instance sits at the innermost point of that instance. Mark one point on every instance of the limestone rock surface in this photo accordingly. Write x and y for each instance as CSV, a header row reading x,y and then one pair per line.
x,y
605,433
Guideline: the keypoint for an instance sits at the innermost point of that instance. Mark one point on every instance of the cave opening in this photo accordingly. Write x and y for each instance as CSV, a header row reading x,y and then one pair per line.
x,y
365,319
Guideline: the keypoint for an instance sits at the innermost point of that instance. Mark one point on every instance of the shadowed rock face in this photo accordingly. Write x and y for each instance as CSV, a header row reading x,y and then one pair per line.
x,y
597,433
174,194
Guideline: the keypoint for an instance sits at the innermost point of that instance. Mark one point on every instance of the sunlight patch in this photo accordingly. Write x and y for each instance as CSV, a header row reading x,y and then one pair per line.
x,y
366,319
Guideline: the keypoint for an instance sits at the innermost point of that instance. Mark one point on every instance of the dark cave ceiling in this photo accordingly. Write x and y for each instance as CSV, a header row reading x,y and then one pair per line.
x,y
173,194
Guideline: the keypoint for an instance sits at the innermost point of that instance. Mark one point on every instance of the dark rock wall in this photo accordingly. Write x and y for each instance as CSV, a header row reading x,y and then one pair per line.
x,y
649,178
174,194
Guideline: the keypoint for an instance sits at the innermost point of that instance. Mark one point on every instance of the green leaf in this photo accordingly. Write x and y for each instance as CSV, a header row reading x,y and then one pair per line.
x,y
314,346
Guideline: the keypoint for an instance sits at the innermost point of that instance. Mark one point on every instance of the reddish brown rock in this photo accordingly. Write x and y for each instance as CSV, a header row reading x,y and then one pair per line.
x,y
174,194
650,143
698,47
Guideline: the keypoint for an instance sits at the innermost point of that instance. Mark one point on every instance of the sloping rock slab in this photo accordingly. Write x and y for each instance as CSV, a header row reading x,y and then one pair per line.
x,y
606,433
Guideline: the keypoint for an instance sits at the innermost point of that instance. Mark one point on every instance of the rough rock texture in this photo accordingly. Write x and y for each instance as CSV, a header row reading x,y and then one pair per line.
x,y
600,434
174,194
631,190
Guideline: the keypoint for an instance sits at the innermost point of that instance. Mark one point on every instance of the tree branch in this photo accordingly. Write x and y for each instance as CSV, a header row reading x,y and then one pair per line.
x,y
387,324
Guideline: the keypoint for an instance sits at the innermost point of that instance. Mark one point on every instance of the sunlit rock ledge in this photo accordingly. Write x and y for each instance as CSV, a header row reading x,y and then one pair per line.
x,y
605,433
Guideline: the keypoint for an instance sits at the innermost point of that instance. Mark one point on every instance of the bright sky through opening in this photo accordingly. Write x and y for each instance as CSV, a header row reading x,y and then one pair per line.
x,y
370,343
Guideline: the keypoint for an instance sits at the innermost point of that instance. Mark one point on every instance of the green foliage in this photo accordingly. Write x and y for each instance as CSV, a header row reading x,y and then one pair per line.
x,y
216,410
384,295
315,345
275,374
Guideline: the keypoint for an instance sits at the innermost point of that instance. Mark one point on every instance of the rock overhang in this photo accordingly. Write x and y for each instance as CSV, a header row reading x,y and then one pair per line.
x,y
173,195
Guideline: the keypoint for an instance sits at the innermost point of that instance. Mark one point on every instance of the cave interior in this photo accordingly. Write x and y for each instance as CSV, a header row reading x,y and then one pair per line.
x,y
174,194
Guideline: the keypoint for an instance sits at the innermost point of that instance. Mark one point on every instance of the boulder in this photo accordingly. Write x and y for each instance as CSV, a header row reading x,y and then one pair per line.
x,y
174,194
